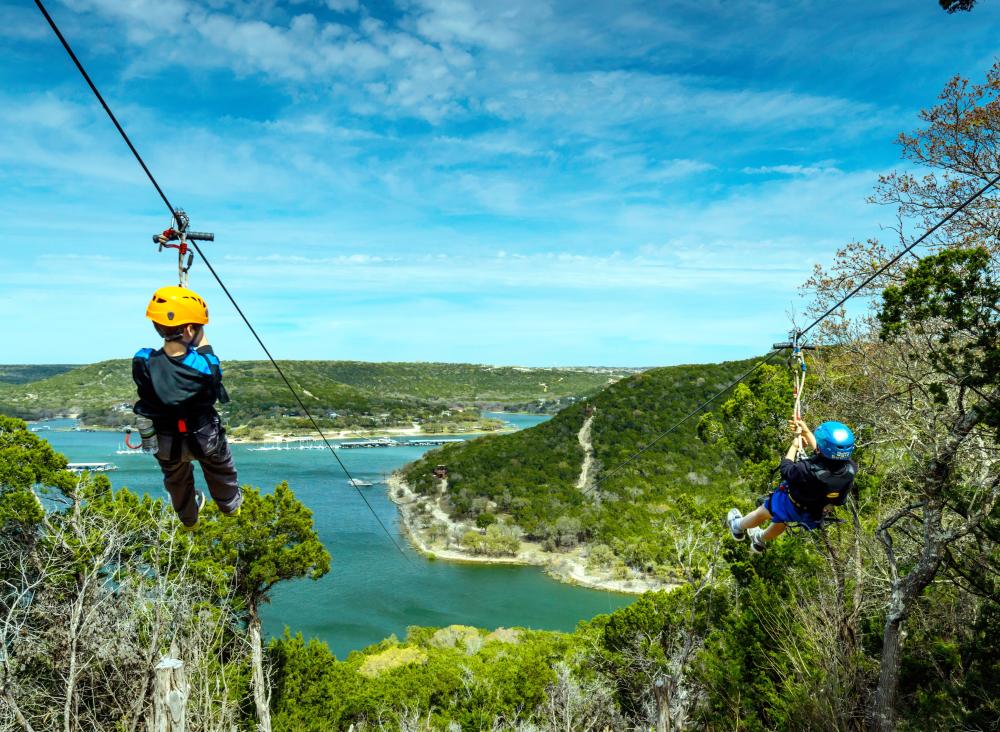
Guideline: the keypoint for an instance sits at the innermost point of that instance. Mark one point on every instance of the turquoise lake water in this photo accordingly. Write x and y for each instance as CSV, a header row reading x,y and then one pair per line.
x,y
372,590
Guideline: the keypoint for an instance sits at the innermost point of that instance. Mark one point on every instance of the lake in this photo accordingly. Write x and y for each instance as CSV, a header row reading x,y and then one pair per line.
x,y
372,590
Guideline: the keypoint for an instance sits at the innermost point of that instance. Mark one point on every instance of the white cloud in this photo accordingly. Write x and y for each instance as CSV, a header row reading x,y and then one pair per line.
x,y
22,23
448,59
471,24
390,153
343,6
808,170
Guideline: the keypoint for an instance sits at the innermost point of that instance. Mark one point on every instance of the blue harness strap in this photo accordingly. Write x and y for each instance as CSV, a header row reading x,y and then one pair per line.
x,y
198,362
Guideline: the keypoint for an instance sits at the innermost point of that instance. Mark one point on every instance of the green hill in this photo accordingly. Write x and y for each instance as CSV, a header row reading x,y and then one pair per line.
x,y
346,394
530,477
25,373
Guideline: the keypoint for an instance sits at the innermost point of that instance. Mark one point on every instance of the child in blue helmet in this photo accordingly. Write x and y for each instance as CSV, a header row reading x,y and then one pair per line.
x,y
809,488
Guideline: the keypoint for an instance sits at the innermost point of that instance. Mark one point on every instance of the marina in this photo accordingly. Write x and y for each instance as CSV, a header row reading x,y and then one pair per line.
x,y
91,467
381,442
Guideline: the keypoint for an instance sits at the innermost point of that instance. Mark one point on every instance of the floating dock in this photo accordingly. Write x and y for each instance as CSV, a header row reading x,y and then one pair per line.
x,y
382,442
91,467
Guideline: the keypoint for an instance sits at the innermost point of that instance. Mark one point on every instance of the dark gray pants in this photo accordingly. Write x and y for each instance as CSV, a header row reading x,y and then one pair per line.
x,y
211,450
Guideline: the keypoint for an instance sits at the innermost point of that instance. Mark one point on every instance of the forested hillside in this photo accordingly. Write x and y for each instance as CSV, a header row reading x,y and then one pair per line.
x,y
885,620
26,373
358,394
530,477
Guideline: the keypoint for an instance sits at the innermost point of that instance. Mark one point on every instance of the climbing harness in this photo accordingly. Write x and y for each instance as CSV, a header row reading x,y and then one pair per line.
x,y
797,527
178,232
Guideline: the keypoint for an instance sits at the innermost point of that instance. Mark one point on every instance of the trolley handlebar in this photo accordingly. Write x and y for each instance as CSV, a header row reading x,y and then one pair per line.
x,y
191,236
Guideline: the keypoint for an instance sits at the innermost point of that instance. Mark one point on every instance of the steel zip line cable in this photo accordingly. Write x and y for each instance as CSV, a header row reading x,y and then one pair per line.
x,y
194,245
902,253
989,184
685,418
656,439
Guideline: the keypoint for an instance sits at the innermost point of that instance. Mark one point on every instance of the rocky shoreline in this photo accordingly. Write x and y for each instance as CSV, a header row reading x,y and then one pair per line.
x,y
435,534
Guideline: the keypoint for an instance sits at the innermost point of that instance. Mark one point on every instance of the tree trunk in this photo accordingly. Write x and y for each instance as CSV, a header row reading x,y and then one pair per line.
x,y
170,695
261,697
25,724
73,632
888,677
662,694
905,592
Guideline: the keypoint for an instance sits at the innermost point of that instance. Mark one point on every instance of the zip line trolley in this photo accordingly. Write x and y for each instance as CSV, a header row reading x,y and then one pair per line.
x,y
178,232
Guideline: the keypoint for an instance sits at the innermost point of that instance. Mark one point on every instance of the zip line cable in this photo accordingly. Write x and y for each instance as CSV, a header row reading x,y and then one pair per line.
x,y
194,244
906,250
685,418
989,184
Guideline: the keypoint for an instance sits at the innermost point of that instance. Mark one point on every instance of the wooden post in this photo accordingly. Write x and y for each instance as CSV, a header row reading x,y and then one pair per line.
x,y
170,695
662,695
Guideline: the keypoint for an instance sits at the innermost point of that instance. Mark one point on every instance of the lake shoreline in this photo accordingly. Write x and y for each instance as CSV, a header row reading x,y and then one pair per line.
x,y
281,437
419,513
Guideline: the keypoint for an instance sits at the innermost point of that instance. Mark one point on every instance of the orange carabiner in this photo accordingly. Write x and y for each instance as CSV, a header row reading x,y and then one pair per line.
x,y
128,444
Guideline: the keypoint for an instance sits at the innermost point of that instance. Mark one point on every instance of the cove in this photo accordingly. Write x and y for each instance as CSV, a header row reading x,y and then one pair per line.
x,y
372,590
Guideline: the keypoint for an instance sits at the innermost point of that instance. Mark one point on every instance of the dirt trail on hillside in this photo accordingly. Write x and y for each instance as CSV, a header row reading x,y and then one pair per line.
x,y
588,454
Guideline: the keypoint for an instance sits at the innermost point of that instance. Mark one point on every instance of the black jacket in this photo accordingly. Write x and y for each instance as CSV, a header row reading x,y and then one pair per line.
x,y
185,387
818,481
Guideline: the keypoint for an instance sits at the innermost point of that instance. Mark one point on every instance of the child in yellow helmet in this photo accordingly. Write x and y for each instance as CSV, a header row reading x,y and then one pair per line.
x,y
178,387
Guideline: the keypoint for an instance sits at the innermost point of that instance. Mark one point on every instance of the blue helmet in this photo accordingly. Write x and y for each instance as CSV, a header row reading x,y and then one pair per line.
x,y
835,440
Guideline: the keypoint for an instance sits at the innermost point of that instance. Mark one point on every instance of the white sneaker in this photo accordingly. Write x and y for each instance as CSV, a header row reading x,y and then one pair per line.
x,y
757,543
733,519
199,501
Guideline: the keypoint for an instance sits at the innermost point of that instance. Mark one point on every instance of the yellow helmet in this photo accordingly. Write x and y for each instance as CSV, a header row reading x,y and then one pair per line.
x,y
177,306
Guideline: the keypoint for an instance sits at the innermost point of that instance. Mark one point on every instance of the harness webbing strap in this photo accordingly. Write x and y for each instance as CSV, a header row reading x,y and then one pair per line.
x,y
799,371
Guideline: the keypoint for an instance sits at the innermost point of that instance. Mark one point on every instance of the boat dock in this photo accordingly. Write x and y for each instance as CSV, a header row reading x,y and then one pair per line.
x,y
433,443
369,444
381,442
91,467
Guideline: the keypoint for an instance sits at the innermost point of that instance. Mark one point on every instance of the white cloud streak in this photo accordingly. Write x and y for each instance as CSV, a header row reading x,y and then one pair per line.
x,y
553,161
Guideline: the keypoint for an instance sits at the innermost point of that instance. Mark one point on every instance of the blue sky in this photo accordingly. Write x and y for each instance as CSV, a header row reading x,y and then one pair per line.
x,y
517,182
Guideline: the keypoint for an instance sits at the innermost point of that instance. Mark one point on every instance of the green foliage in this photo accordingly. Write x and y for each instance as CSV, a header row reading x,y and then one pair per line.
x,y
470,683
753,423
498,540
485,519
26,373
639,643
955,293
744,663
530,477
25,458
91,594
950,676
272,540
26,461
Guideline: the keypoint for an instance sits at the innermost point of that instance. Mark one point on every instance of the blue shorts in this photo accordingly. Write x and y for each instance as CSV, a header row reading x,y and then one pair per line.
x,y
783,511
